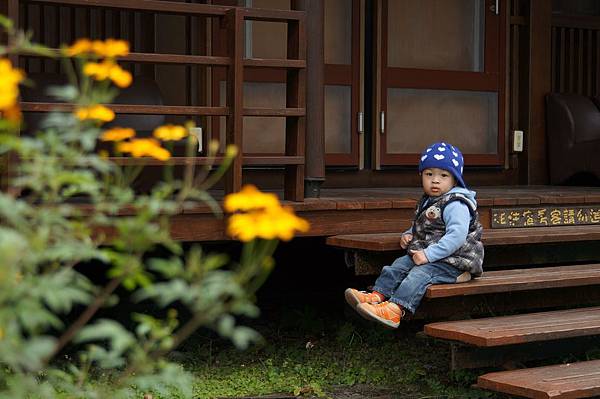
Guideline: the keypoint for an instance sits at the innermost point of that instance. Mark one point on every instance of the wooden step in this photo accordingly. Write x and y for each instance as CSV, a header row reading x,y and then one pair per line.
x,y
491,237
572,380
509,330
521,280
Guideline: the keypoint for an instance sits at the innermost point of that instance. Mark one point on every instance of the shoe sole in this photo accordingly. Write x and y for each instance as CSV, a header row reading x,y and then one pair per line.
x,y
373,317
351,298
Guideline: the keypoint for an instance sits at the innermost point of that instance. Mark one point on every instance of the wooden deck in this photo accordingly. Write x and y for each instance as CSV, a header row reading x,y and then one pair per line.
x,y
385,210
490,237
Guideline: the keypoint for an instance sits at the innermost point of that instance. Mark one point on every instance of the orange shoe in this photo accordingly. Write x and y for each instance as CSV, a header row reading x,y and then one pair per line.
x,y
386,313
355,297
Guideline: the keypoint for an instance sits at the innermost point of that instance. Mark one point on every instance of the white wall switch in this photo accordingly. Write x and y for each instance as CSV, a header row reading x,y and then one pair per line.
x,y
518,141
197,132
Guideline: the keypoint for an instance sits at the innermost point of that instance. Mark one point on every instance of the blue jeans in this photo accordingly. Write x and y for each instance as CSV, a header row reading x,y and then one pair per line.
x,y
405,283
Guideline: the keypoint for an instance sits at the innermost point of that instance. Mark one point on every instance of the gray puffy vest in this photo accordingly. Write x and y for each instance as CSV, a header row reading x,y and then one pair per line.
x,y
429,228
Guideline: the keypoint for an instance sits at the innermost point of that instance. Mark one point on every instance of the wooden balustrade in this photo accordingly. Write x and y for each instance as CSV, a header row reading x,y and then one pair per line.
x,y
233,18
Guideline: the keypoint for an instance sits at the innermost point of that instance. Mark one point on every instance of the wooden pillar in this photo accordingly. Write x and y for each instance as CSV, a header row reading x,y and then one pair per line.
x,y
235,81
315,120
540,84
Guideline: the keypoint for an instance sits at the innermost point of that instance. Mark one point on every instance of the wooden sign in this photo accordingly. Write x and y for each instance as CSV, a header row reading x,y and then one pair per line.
x,y
545,216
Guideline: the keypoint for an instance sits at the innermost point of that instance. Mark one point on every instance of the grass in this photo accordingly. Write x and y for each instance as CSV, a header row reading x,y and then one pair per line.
x,y
325,354
315,345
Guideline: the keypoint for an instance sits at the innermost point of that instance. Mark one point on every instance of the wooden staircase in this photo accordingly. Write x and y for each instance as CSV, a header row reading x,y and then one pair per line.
x,y
492,340
571,380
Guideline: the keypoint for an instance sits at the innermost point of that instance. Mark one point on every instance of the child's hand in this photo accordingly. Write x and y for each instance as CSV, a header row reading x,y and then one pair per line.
x,y
405,239
419,257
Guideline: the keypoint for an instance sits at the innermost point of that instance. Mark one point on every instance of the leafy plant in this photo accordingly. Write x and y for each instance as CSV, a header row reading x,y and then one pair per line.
x,y
46,238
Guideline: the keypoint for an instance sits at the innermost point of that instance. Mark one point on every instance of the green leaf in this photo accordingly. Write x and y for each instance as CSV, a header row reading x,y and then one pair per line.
x,y
65,288
35,350
166,293
38,49
226,325
6,23
12,247
67,93
168,268
119,338
243,336
34,316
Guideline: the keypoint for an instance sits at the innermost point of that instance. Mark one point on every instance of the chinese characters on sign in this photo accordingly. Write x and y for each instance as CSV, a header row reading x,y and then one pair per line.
x,y
547,216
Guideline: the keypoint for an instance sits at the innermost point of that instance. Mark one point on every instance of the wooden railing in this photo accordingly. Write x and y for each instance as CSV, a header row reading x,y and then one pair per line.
x,y
233,18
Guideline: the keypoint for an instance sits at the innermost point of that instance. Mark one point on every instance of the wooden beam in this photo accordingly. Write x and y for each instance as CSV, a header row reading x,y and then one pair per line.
x,y
132,109
540,84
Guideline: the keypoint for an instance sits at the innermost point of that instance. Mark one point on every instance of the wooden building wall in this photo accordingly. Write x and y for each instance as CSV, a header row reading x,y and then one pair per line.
x,y
545,46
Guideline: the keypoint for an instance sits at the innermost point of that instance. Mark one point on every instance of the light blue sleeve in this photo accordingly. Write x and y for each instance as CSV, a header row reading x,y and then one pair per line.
x,y
457,218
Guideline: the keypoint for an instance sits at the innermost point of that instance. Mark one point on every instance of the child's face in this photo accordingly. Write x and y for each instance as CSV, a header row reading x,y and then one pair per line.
x,y
437,181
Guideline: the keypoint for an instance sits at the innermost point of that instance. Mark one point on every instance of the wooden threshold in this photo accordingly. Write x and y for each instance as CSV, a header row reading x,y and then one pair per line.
x,y
519,329
571,380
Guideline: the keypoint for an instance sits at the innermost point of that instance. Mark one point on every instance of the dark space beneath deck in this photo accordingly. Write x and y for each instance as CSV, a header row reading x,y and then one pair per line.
x,y
381,210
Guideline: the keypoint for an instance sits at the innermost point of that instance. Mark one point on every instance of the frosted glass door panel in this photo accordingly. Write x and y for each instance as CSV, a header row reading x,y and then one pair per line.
x,y
266,39
260,134
338,111
416,118
338,31
436,34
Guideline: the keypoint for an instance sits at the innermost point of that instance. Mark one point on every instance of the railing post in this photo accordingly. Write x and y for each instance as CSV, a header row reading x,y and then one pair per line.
x,y
315,120
295,128
235,102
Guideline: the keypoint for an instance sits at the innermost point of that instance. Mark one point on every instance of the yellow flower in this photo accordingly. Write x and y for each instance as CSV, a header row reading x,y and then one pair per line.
x,y
97,112
110,48
81,46
170,132
144,148
12,114
120,77
108,69
97,70
269,224
231,151
9,84
117,134
249,198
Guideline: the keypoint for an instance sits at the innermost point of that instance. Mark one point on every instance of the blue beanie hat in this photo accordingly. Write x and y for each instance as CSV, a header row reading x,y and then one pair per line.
x,y
444,156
